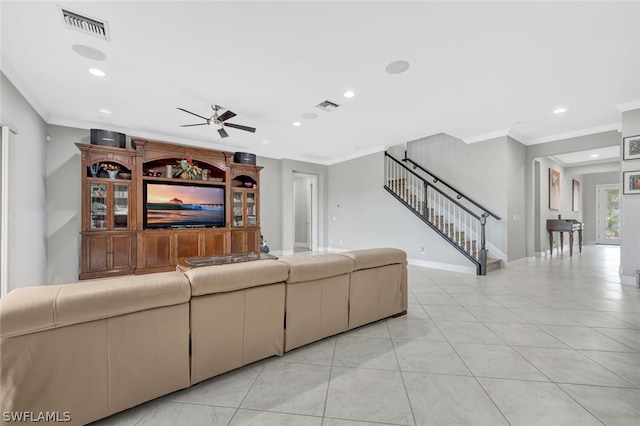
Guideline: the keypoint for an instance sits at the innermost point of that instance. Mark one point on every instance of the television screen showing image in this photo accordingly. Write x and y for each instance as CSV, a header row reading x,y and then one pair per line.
x,y
180,205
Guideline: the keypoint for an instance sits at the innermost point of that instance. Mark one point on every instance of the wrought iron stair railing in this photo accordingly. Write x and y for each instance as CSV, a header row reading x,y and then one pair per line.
x,y
448,217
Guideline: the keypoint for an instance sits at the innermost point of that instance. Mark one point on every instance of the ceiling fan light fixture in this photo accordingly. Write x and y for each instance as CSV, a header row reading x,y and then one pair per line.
x,y
215,125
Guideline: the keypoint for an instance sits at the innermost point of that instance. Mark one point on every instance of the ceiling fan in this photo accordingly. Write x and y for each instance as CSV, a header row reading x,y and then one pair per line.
x,y
218,122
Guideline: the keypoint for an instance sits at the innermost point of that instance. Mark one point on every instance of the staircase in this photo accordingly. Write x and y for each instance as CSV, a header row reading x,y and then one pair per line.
x,y
445,214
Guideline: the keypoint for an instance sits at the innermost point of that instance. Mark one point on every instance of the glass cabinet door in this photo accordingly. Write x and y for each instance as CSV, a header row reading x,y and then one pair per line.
x,y
237,209
121,206
98,197
251,209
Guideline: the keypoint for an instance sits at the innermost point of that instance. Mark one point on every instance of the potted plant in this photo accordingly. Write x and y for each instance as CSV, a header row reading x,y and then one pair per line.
x,y
111,169
187,169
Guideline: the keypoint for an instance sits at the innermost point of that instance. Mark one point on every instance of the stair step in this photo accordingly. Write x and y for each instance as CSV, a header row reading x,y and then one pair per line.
x,y
493,265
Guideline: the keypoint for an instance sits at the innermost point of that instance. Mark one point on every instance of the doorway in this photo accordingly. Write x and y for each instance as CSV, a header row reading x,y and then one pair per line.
x,y
608,214
305,202
5,136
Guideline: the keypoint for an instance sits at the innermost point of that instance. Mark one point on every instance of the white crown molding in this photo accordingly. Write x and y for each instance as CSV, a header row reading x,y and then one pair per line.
x,y
550,138
486,136
575,133
628,106
517,136
497,134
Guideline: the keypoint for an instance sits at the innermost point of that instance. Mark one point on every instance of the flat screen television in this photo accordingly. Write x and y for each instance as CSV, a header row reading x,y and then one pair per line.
x,y
183,205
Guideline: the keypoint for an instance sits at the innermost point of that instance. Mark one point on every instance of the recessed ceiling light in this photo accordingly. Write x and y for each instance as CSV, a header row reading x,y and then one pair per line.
x,y
309,115
559,110
265,142
97,72
594,155
105,111
349,94
397,67
297,123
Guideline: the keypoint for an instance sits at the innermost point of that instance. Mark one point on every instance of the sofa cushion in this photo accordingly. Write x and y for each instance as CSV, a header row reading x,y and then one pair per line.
x,y
376,257
314,267
31,309
235,276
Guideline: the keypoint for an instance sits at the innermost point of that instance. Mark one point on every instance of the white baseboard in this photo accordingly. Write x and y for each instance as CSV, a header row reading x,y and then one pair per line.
x,y
626,280
281,252
444,266
336,249
517,262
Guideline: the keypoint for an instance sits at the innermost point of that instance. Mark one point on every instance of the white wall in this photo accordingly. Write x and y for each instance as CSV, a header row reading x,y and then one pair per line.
x,y
64,219
27,181
630,209
271,201
516,211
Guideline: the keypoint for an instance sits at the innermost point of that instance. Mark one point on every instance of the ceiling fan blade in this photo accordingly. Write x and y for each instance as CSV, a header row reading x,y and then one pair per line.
x,y
241,127
191,125
226,115
223,133
192,113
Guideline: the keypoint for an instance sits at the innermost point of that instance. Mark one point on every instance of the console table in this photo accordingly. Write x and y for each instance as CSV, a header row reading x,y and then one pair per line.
x,y
561,226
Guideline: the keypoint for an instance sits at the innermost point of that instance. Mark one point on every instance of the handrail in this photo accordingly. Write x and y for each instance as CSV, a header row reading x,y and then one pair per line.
x,y
475,215
437,179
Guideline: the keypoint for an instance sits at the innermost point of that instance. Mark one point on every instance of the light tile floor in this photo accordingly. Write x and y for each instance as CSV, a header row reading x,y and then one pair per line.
x,y
555,341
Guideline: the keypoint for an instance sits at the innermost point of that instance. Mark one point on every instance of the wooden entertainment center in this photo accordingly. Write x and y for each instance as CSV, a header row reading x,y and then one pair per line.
x,y
117,236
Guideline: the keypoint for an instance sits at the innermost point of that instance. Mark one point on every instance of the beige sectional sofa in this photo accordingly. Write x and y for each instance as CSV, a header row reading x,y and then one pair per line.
x,y
88,350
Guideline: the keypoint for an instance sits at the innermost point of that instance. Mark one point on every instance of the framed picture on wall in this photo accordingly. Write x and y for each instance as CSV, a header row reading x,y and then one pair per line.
x,y
631,148
554,189
575,198
631,182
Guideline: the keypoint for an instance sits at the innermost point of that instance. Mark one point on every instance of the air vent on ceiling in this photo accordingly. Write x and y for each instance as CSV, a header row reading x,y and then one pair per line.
x,y
85,24
328,106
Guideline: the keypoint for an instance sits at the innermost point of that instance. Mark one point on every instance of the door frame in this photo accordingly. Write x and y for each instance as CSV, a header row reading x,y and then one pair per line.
x,y
5,140
311,184
599,219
